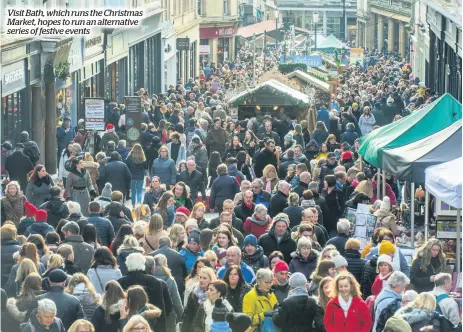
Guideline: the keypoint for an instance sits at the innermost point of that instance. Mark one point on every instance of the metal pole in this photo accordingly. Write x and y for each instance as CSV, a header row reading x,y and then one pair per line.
x,y
384,183
412,214
426,216
377,184
344,23
276,33
458,240
254,60
315,37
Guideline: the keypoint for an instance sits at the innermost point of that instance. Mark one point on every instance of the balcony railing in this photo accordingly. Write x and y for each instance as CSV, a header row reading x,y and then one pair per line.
x,y
403,7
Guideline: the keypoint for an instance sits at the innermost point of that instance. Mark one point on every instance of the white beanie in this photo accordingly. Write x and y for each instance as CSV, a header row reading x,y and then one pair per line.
x,y
386,204
385,259
339,261
73,207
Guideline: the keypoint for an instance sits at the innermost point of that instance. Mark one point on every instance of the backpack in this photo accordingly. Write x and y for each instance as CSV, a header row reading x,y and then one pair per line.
x,y
32,151
67,165
438,299
370,302
387,313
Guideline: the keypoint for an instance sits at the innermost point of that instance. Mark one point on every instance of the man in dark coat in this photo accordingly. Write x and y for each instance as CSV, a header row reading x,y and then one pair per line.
x,y
319,201
327,169
31,149
18,165
156,289
304,179
379,115
355,264
279,238
175,262
83,252
289,160
260,196
223,188
339,241
56,207
64,134
268,132
104,228
246,208
118,174
279,200
193,179
216,139
265,157
335,201
69,307
237,223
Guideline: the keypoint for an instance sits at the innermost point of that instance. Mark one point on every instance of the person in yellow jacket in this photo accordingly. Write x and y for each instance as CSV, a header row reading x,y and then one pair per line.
x,y
260,299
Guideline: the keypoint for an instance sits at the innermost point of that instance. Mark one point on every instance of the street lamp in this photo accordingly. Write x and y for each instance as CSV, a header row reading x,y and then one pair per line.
x,y
276,28
316,17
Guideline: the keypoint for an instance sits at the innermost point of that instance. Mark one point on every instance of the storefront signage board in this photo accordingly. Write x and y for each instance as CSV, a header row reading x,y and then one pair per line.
x,y
133,118
217,32
94,114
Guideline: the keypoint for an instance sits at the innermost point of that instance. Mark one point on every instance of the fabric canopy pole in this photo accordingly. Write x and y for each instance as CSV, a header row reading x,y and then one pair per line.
x,y
412,213
458,241
377,184
384,184
426,215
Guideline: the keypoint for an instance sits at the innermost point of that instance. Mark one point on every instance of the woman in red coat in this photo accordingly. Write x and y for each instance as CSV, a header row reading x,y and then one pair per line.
x,y
347,312
384,269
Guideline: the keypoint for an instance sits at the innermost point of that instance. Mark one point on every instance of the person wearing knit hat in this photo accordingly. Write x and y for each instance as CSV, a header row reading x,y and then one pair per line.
x,y
109,127
340,263
181,215
221,256
384,217
281,285
239,322
192,250
30,211
253,254
384,268
107,190
397,324
298,301
40,226
190,224
279,235
219,313
386,248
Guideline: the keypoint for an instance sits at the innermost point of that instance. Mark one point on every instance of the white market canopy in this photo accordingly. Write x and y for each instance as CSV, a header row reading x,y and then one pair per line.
x,y
331,42
310,79
444,182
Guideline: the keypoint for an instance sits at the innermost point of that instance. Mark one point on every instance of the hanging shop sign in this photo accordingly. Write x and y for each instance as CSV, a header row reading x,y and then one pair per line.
x,y
309,60
133,118
94,114
217,32
13,77
76,55
183,44
204,50
93,45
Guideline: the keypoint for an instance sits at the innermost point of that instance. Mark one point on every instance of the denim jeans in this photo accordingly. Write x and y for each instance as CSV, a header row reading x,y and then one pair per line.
x,y
136,187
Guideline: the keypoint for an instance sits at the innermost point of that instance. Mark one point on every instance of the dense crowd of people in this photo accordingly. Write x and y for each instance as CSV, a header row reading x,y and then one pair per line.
x,y
77,256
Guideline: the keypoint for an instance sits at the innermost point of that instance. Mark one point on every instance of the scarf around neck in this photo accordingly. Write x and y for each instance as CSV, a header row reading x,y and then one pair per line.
x,y
345,305
200,294
298,291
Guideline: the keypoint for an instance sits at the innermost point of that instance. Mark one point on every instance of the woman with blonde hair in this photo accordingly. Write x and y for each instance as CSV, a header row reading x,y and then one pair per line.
x,y
137,323
153,233
12,205
92,168
81,287
198,213
26,267
31,288
136,162
365,187
162,271
346,311
129,245
429,261
421,313
141,212
81,325
270,178
177,235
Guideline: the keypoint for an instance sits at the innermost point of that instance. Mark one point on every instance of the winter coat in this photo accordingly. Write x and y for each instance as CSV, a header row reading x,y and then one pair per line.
x,y
194,180
324,171
335,203
87,301
355,263
194,316
263,158
304,265
349,136
358,317
57,209
283,170
383,299
69,307
157,291
262,198
190,257
319,137
41,228
377,286
368,276
387,220
83,252
122,254
281,291
216,139
256,227
118,174
9,247
418,318
177,312
235,296
255,303
339,241
269,243
294,213
92,168
62,171
389,193
63,137
114,210
137,171
233,151
78,188
243,212
98,318
402,261
104,229
366,123
166,170
107,137
278,203
13,209
181,153
38,192
447,305
103,273
379,117
421,279
150,242
295,314
18,165
151,198
200,154
248,273
33,325
257,260
123,152
223,188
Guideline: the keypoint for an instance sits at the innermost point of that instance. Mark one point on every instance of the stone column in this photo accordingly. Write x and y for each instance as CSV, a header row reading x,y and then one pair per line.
x,y
303,19
50,128
390,35
325,24
402,39
38,120
214,43
380,32
369,33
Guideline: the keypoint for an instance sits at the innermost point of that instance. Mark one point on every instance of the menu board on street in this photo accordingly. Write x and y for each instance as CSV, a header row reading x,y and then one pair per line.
x,y
133,118
94,114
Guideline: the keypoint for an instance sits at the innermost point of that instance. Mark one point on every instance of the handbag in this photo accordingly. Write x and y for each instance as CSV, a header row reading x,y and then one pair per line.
x,y
99,280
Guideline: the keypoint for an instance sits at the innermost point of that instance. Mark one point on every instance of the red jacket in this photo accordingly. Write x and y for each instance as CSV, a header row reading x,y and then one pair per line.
x,y
358,317
377,286
251,227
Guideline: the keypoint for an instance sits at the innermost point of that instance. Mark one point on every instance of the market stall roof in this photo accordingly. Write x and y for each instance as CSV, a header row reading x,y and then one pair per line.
x,y
444,182
310,79
409,162
290,96
432,118
261,27
332,42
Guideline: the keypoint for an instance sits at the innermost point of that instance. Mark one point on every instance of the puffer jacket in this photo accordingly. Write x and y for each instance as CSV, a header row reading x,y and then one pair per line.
x,y
387,220
257,227
304,265
57,209
114,210
255,303
165,169
368,276
87,300
41,228
355,263
349,136
418,318
257,260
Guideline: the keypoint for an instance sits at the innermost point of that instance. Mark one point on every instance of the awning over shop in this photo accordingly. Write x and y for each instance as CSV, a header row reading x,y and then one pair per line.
x,y
310,80
331,42
271,92
444,182
410,161
420,124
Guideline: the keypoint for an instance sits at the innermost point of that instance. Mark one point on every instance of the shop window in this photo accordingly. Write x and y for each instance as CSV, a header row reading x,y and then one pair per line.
x,y
226,8
63,100
200,7
13,114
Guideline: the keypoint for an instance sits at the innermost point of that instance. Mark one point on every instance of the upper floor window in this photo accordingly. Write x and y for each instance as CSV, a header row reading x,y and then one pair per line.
x,y
226,7
200,7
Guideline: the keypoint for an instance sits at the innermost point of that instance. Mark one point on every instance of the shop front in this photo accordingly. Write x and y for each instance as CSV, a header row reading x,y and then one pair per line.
x,y
221,42
116,86
170,62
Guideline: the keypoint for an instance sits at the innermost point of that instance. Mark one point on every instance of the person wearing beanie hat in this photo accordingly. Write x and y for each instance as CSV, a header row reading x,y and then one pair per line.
x,y
219,313
397,324
386,248
108,136
253,254
340,263
239,322
40,226
192,250
297,311
107,190
30,211
350,135
385,269
190,225
386,219
281,284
